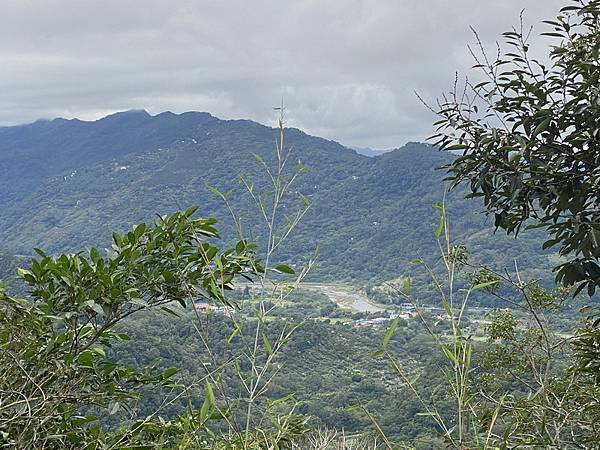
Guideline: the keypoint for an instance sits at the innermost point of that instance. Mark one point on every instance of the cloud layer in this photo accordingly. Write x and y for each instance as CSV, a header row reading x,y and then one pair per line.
x,y
347,69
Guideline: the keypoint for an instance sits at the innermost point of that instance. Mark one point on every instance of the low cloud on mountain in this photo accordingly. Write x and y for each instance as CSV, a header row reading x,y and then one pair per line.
x,y
347,69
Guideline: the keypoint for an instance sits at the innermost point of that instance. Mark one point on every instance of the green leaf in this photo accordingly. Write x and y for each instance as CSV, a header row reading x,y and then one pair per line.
x,y
95,254
267,344
304,199
208,403
25,274
169,311
99,351
117,239
259,158
233,334
456,147
542,126
378,353
85,358
190,211
283,268
439,228
484,285
217,192
446,306
139,230
550,243
450,354
407,287
40,252
390,331
210,394
240,246
168,373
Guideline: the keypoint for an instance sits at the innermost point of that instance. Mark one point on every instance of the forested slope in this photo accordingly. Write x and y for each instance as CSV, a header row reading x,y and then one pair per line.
x,y
67,184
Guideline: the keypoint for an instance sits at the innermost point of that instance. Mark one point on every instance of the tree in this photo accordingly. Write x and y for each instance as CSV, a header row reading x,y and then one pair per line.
x,y
528,143
55,376
53,365
529,139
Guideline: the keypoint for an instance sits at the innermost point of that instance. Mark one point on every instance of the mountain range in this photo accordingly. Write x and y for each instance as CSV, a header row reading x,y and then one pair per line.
x,y
67,184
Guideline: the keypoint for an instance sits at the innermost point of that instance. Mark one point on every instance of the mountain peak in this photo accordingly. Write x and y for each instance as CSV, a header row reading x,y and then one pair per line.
x,y
130,113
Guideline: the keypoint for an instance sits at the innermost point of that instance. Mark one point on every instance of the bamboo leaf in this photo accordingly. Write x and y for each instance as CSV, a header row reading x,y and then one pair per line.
x,y
390,331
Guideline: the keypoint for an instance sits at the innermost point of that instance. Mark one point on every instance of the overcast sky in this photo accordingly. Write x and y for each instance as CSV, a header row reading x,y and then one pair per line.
x,y
347,69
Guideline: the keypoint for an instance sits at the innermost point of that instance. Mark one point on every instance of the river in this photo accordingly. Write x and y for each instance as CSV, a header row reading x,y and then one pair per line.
x,y
345,297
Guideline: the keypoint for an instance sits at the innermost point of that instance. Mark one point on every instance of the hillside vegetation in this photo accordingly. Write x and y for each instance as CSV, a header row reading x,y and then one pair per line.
x,y
68,184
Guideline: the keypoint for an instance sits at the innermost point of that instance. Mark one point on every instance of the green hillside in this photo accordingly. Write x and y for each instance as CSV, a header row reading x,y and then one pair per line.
x,y
68,184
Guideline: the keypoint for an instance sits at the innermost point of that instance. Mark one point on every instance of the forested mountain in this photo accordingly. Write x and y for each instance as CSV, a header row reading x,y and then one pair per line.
x,y
211,326
67,184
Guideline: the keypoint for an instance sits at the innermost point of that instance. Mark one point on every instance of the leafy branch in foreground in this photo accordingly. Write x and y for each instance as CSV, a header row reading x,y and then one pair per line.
x,y
255,418
53,364
460,424
524,387
529,139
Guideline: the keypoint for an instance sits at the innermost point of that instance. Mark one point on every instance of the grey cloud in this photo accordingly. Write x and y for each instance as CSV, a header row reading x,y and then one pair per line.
x,y
347,69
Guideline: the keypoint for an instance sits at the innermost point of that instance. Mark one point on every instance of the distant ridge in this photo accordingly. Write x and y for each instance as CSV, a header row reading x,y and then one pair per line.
x,y
67,184
370,152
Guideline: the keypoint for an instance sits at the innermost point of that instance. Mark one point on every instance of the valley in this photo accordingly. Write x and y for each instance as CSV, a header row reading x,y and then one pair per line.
x,y
367,220
367,225
345,296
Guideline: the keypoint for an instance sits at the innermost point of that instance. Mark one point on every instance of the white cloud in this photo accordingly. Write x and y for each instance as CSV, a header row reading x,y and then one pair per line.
x,y
348,69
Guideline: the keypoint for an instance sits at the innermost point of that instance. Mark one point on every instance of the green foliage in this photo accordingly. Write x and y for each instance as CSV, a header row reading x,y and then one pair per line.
x,y
536,162
146,267
528,140
587,351
327,364
547,402
53,350
79,370
520,388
